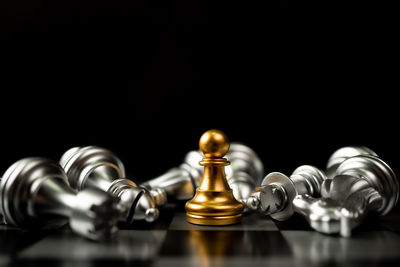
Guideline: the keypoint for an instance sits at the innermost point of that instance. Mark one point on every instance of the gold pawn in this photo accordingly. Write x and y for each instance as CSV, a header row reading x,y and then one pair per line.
x,y
214,203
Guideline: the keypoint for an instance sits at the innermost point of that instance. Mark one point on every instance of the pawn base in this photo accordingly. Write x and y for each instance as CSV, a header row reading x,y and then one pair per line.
x,y
214,208
214,220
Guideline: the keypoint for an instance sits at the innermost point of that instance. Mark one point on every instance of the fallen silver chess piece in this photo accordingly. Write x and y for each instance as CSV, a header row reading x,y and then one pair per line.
x,y
277,191
362,184
177,184
99,168
245,171
275,195
344,153
35,194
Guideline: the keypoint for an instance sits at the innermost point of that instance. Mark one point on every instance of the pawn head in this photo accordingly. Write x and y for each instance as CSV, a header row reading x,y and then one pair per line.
x,y
214,144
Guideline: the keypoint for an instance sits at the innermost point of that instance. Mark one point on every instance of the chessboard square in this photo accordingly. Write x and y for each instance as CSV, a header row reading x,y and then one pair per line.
x,y
238,261
295,223
40,262
362,246
390,221
126,245
250,222
13,240
224,244
162,223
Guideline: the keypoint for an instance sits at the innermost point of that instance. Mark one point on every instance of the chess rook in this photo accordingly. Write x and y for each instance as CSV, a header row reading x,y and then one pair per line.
x,y
275,195
214,203
344,153
96,167
35,194
177,184
362,184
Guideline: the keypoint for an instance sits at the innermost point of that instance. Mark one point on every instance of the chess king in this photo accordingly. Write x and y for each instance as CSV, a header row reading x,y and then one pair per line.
x,y
214,203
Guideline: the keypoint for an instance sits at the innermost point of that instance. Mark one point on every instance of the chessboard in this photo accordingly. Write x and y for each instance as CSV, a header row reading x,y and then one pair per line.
x,y
171,241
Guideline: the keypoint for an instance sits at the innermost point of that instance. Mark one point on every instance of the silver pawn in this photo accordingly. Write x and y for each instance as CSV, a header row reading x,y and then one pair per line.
x,y
362,184
34,193
275,195
245,171
96,167
344,153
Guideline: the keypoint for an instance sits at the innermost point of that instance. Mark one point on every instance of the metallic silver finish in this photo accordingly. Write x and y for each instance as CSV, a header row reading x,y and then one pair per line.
x,y
96,167
344,153
362,184
244,173
159,195
2,220
275,195
34,193
177,184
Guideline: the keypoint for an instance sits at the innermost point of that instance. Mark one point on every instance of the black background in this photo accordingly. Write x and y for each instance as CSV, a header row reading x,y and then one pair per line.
x,y
147,78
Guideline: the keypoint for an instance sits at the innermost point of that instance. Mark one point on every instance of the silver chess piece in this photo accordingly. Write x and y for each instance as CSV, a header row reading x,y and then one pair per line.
x,y
275,195
177,184
362,184
96,167
344,153
245,171
34,193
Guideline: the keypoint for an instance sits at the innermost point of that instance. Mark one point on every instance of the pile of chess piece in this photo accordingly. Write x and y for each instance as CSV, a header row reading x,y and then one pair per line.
x,y
88,190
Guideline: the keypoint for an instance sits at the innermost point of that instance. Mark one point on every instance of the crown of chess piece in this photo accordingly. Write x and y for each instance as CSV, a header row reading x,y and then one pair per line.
x,y
275,195
344,153
35,194
214,203
177,184
362,184
96,167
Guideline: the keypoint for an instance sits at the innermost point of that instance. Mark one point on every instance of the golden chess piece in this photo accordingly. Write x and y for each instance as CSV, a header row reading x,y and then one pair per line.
x,y
214,203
